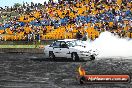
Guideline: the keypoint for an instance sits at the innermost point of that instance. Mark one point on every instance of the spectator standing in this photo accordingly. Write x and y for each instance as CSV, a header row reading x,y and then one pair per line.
x,y
85,36
78,35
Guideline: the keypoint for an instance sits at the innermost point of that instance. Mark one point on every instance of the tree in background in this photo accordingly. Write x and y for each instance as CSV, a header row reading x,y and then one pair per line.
x,y
17,5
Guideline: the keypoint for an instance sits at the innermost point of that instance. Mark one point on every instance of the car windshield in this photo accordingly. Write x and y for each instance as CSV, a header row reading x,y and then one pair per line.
x,y
75,43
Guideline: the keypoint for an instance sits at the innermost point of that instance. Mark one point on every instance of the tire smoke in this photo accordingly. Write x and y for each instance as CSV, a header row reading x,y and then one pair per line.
x,y
109,45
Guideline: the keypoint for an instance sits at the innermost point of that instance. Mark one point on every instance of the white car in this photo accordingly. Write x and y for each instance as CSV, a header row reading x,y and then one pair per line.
x,y
69,48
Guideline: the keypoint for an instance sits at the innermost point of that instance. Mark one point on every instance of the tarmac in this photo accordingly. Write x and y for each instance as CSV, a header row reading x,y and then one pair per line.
x,y
33,70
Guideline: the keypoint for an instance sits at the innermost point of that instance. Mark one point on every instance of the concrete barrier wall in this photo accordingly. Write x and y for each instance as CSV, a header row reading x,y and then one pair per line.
x,y
21,50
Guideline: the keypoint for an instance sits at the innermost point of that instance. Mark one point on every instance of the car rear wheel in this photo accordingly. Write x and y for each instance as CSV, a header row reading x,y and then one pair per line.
x,y
92,57
51,56
75,57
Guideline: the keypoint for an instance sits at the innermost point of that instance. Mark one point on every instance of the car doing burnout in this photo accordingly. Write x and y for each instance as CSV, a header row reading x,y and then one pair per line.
x,y
69,48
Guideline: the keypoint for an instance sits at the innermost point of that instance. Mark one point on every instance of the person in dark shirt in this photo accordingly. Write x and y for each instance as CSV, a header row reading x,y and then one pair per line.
x,y
78,35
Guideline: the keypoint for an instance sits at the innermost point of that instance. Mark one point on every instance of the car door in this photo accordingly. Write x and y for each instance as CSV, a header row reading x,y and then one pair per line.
x,y
56,49
64,49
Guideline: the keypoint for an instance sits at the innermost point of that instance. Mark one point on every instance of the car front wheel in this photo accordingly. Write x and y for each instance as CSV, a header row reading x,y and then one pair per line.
x,y
92,57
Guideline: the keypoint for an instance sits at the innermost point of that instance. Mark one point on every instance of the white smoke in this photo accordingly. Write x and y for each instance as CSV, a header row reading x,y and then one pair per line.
x,y
110,45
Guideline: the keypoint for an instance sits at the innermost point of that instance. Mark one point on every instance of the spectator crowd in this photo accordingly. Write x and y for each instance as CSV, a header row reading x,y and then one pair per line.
x,y
66,19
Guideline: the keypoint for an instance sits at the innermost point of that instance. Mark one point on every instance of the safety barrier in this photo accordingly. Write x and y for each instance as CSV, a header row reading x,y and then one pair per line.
x,y
22,50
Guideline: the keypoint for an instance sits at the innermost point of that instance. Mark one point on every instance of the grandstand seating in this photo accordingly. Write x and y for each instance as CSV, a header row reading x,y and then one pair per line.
x,y
61,23
2,31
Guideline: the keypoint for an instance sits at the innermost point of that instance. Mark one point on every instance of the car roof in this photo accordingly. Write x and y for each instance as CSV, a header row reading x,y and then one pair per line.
x,y
67,40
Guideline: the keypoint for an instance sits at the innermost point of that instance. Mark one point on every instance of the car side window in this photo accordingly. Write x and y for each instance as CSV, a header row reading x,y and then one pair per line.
x,y
56,45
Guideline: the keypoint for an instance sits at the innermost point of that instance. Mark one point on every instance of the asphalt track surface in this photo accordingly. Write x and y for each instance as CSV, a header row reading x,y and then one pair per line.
x,y
34,71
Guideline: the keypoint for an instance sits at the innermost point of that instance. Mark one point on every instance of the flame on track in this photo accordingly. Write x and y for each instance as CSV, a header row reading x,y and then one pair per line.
x,y
81,71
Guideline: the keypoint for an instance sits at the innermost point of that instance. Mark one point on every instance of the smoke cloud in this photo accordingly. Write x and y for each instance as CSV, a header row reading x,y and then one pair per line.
x,y
109,45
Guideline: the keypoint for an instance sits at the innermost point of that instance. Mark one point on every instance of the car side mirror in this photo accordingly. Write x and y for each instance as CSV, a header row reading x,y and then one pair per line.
x,y
66,47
